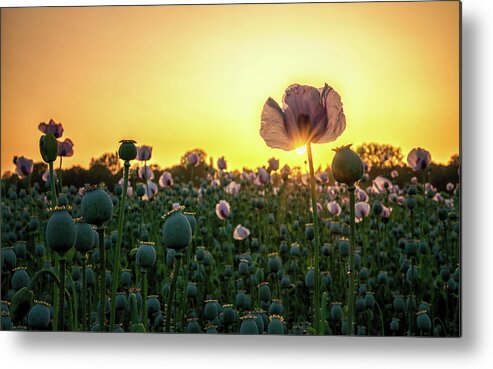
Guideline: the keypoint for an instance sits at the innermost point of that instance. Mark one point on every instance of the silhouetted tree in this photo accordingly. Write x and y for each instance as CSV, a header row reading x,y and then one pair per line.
x,y
380,155
110,160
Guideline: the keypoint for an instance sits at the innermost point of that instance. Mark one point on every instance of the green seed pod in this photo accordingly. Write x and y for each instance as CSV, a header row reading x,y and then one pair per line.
x,y
336,311
210,309
127,150
309,232
39,316
191,219
310,278
9,259
21,304
264,292
121,302
193,326
411,203
229,314
84,236
423,321
347,166
191,290
126,278
141,190
177,232
48,147
153,305
442,214
60,231
274,263
20,279
394,325
248,325
276,307
96,207
146,255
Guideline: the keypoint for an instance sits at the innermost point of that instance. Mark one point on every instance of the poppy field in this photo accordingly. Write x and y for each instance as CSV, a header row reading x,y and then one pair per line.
x,y
272,250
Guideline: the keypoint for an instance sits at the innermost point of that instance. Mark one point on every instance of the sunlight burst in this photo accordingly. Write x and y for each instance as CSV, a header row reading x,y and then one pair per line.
x,y
301,150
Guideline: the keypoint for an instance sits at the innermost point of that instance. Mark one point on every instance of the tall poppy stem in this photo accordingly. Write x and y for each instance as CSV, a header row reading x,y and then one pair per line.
x,y
52,186
176,271
316,244
352,266
61,297
102,279
116,266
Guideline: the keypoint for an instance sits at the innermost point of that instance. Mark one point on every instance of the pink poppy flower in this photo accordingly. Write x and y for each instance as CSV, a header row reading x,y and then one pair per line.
x,y
386,212
263,176
361,195
308,115
232,188
382,185
418,159
361,210
223,209
66,148
240,232
23,166
52,127
145,173
151,190
322,177
221,163
193,159
144,153
166,180
319,208
273,165
130,190
334,208
46,175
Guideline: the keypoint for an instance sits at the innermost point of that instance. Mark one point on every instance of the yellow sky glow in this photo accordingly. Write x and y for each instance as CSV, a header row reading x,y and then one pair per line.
x,y
181,77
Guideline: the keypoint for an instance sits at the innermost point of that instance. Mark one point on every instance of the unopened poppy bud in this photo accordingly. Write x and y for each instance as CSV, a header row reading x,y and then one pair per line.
x,y
48,147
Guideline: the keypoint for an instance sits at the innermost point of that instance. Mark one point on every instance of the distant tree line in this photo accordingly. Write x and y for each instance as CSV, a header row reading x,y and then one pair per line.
x,y
381,160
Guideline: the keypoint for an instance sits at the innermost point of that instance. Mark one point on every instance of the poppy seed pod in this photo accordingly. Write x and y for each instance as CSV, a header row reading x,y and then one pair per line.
x,y
276,325
191,219
39,316
310,278
347,166
20,279
423,321
264,291
177,232
336,311
394,325
249,325
60,231
96,207
309,231
127,150
48,147
84,236
146,255
210,309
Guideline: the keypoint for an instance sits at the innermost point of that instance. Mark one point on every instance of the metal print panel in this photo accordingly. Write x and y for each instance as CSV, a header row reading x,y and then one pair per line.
x,y
285,169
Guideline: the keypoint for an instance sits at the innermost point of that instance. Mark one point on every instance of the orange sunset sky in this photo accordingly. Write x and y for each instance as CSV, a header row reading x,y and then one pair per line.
x,y
181,77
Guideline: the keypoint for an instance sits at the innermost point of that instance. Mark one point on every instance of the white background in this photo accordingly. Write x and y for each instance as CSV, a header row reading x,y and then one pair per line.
x,y
76,350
